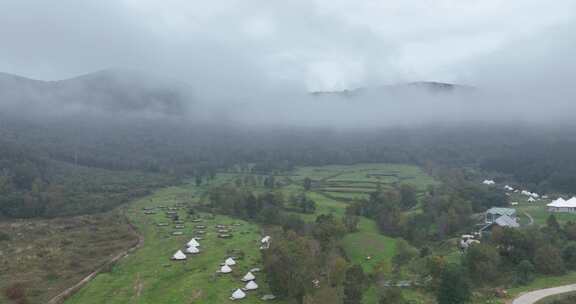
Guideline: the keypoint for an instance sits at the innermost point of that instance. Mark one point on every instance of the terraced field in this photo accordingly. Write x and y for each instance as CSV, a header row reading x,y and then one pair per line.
x,y
357,181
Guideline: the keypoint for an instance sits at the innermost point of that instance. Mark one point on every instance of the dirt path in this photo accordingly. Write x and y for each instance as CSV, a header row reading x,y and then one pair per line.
x,y
64,295
537,295
530,218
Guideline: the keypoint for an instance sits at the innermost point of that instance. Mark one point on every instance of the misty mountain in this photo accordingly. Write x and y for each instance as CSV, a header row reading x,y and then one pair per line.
x,y
425,87
103,92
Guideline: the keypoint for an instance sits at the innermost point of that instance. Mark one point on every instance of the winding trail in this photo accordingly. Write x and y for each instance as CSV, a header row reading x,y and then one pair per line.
x,y
537,295
530,218
64,295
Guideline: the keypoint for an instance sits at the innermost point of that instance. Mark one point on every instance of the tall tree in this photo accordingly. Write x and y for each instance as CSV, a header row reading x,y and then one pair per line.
x,y
354,285
454,287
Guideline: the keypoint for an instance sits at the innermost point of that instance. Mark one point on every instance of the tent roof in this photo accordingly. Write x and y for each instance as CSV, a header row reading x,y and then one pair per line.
x,y
561,203
251,285
230,262
225,269
193,243
179,255
248,277
238,294
192,249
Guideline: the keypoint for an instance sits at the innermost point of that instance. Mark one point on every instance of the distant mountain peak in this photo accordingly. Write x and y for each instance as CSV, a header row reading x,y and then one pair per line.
x,y
429,86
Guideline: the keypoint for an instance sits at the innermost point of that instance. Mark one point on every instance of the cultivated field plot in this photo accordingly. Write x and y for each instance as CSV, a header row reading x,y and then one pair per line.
x,y
149,276
357,181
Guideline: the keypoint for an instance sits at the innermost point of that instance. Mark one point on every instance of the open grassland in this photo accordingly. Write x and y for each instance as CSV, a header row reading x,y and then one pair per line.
x,y
43,257
369,248
149,276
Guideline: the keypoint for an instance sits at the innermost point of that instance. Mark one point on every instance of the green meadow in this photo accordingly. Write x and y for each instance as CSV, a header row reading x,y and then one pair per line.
x,y
149,276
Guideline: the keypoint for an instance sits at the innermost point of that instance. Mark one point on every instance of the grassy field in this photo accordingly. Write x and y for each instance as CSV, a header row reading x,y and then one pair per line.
x,y
149,276
45,257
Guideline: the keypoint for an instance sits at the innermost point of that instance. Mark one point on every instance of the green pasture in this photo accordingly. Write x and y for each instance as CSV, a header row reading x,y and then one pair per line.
x,y
149,276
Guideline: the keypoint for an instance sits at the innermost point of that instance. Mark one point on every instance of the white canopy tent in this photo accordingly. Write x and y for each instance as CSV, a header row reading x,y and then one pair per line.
x,y
561,205
238,294
251,285
488,182
248,277
225,269
230,262
193,243
192,250
179,255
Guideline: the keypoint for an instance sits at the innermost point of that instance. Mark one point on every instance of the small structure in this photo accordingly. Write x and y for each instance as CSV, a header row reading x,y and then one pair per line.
x,y
225,269
265,242
251,286
561,205
488,182
238,295
193,243
230,262
503,221
192,250
177,233
508,188
531,199
248,277
494,213
179,256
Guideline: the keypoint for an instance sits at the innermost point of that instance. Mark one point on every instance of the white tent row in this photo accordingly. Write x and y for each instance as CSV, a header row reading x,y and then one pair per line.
x,y
532,194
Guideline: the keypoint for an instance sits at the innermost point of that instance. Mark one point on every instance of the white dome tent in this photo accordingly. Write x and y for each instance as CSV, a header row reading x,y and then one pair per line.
x,y
179,255
230,262
248,277
251,285
225,269
192,250
193,243
238,295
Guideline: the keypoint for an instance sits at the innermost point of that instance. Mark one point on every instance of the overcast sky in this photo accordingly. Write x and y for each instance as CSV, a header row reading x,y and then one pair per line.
x,y
305,44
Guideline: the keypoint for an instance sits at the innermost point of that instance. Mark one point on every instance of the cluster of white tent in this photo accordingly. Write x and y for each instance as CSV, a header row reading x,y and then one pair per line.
x,y
530,194
488,182
239,293
508,188
191,248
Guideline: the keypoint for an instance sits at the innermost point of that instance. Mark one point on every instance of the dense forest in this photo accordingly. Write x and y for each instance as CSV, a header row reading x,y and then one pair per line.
x,y
38,154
